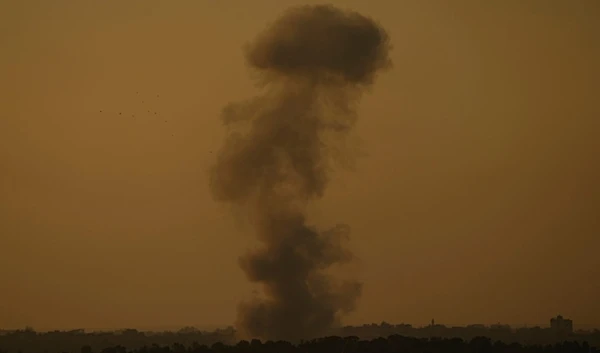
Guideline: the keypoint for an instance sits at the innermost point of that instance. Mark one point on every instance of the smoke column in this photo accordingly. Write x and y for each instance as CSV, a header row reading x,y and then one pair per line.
x,y
313,63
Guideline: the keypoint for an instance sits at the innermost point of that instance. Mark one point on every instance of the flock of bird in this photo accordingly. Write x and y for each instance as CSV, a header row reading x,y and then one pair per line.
x,y
133,115
149,112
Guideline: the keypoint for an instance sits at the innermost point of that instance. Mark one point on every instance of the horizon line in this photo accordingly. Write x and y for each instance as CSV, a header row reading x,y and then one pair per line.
x,y
213,328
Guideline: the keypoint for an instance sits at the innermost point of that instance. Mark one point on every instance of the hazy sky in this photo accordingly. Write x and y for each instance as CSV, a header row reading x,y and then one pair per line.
x,y
477,200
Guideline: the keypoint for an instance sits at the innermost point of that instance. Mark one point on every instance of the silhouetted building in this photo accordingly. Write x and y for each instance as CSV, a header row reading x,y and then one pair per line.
x,y
560,324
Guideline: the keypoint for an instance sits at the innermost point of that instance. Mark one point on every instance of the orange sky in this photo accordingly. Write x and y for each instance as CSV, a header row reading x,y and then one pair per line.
x,y
477,200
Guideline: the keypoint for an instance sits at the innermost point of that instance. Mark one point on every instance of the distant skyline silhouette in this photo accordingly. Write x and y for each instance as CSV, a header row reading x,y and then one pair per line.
x,y
204,327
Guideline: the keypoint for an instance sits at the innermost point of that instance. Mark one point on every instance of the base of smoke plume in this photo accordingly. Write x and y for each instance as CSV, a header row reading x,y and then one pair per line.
x,y
304,297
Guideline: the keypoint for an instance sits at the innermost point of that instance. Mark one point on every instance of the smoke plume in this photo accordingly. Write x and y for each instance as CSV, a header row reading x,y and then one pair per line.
x,y
313,62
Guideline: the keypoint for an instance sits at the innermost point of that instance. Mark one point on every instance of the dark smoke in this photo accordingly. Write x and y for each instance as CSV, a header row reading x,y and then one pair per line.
x,y
314,62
